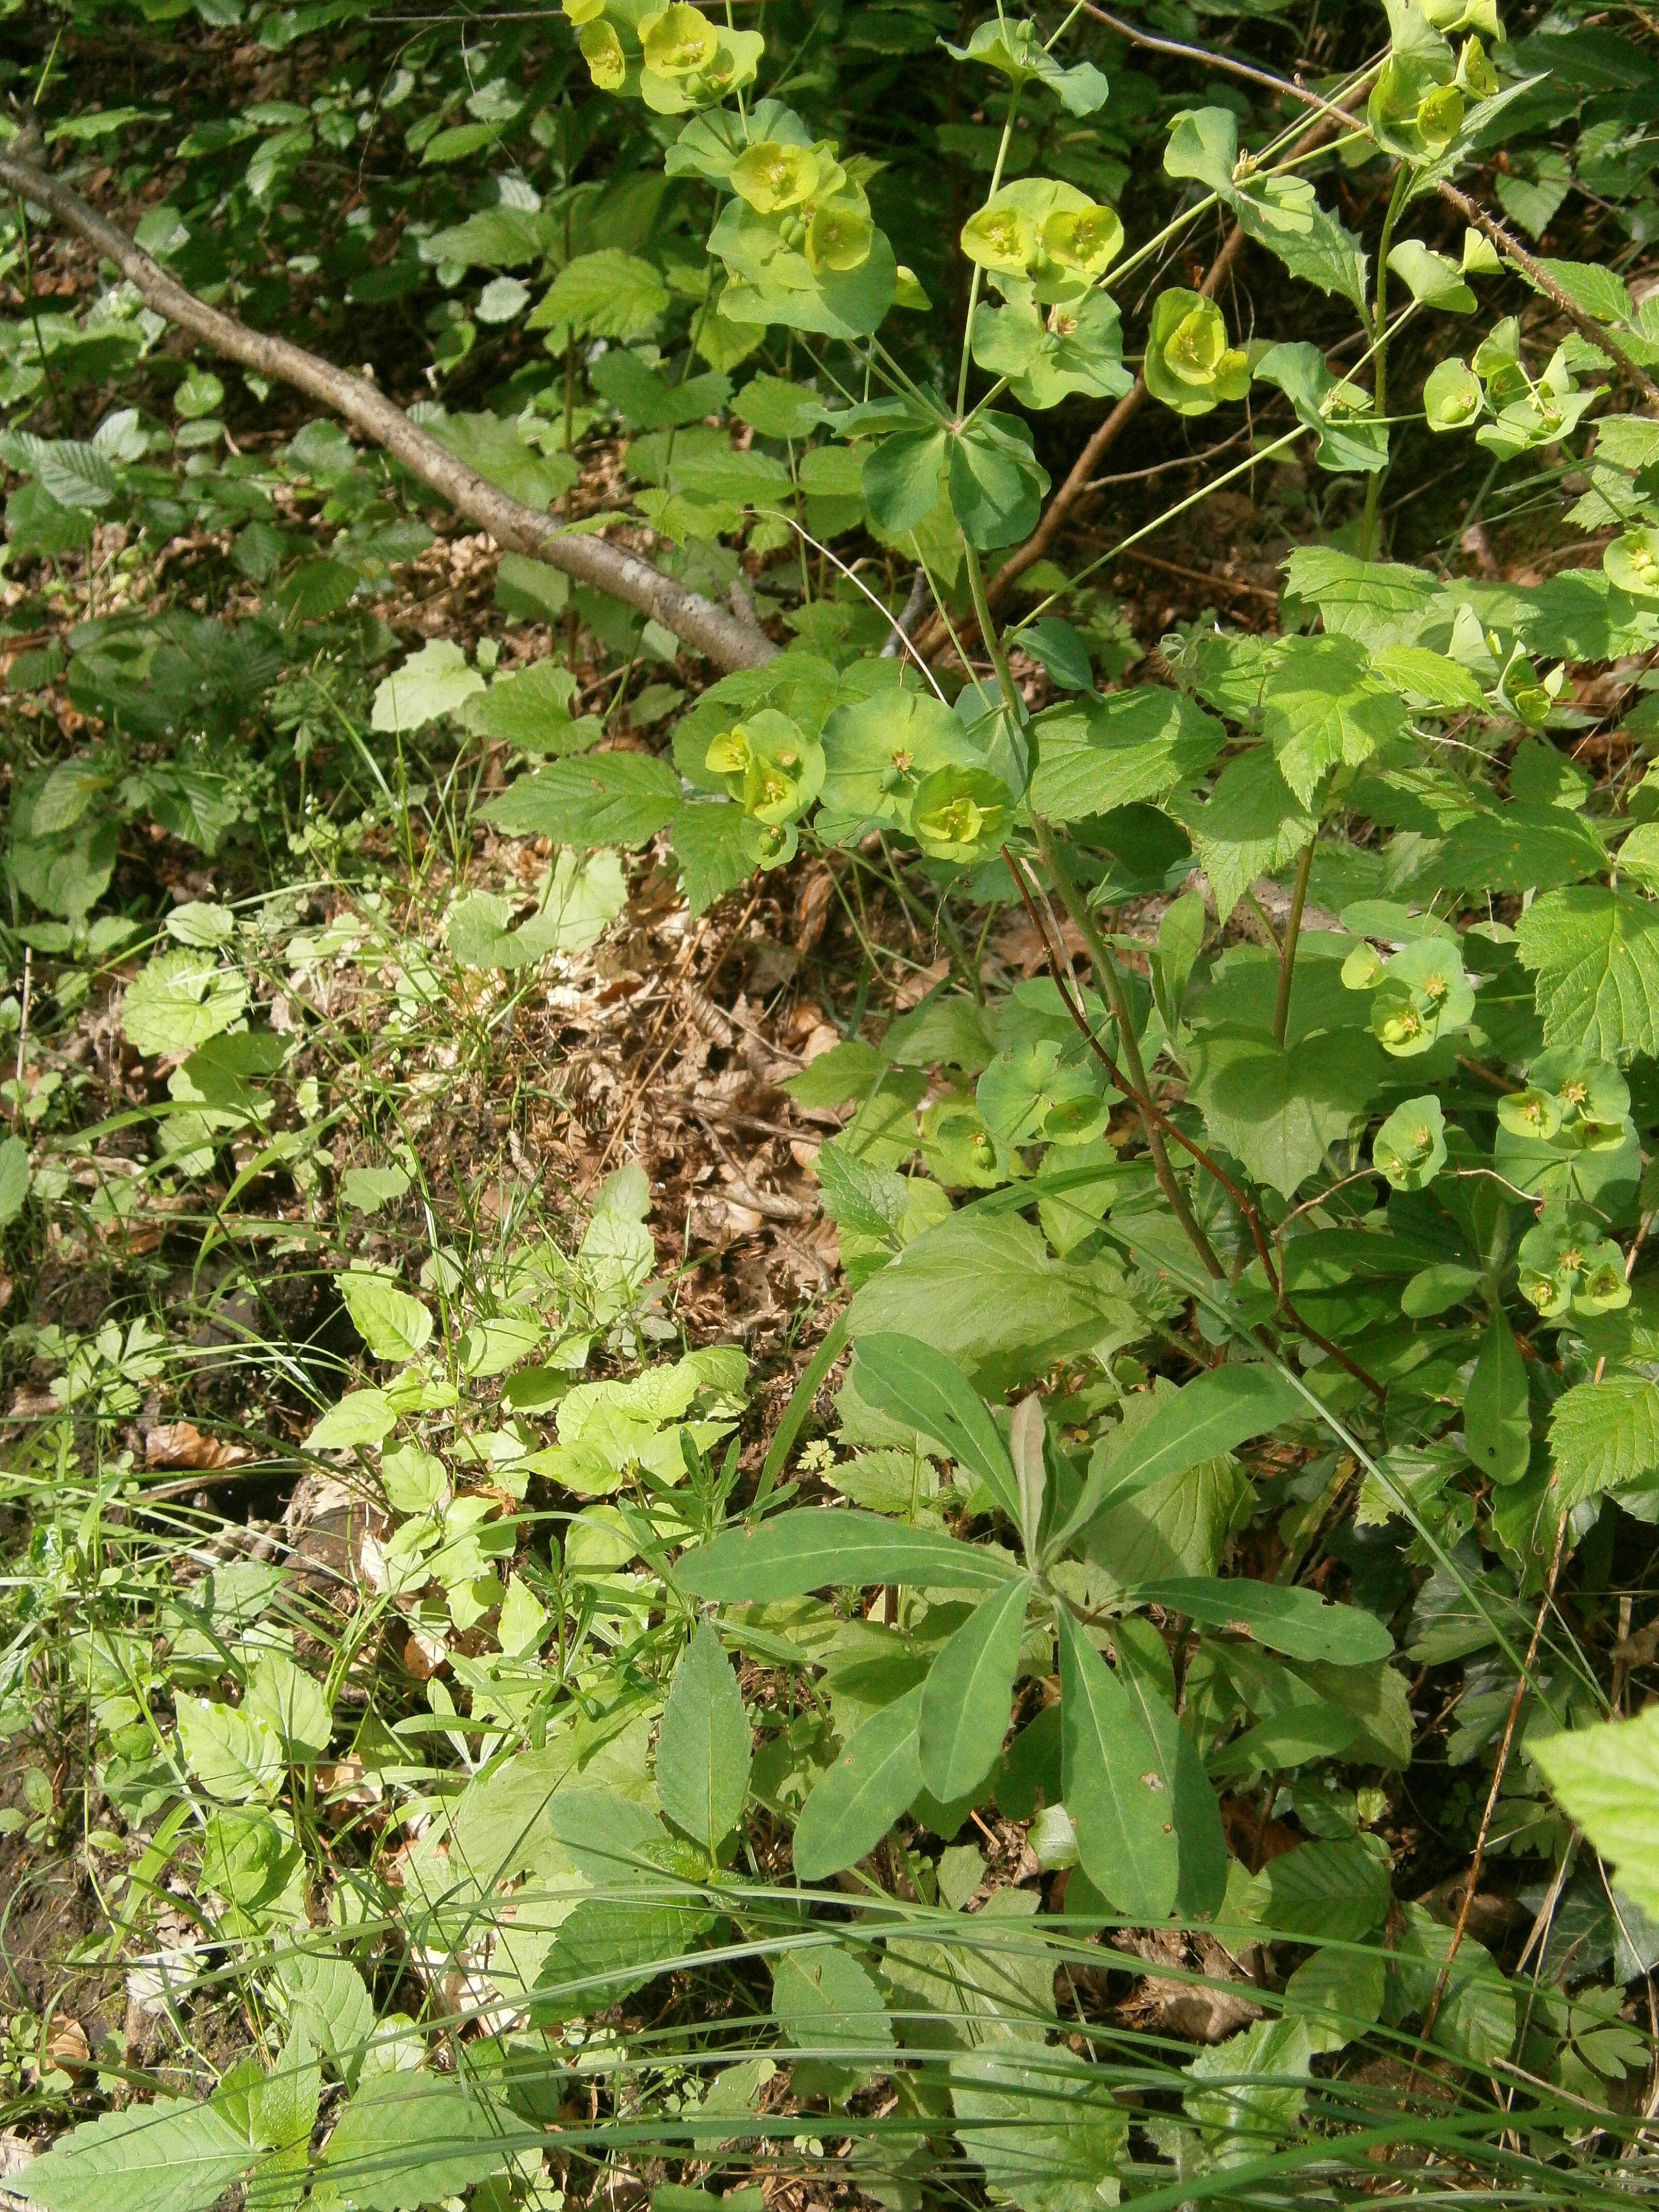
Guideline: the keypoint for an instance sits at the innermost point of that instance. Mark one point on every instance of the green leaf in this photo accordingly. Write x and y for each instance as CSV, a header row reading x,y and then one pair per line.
x,y
1602,1436
1322,708
1432,280
900,478
1322,1893
703,1749
966,1698
531,709
1129,747
290,1702
1608,1777
1334,410
392,1323
827,2000
180,1001
997,485
167,2155
1251,825
1278,1108
711,843
434,682
859,1197
1516,848
575,903
362,1417
13,1179
819,1547
1496,1422
1017,51
928,1392
852,1806
607,295
985,1290
1201,1840
408,2139
328,2004
603,798
1120,1806
235,1755
1297,1622
1596,956
1041,2123
1209,1416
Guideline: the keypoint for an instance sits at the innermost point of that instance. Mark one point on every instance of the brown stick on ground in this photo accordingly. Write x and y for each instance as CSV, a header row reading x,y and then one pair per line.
x,y
706,629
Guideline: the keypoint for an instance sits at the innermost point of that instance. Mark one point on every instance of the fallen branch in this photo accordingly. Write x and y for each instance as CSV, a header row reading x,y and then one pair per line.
x,y
698,622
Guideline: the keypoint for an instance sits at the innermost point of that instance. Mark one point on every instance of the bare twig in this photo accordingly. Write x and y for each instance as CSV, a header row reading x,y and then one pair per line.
x,y
706,627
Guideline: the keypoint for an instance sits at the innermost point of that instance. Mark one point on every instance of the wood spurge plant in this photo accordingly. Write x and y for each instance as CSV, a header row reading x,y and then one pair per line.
x,y
833,1105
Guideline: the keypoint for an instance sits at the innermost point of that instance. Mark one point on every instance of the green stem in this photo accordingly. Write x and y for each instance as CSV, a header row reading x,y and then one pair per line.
x,y
1111,980
992,636
1379,336
973,289
1292,931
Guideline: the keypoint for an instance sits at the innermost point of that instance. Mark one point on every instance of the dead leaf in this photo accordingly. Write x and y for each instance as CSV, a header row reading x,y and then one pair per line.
x,y
181,1444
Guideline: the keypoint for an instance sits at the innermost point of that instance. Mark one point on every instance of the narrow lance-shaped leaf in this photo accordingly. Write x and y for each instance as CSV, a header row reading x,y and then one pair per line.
x,y
703,1750
1201,1841
911,1381
876,1778
1119,1803
1496,1422
1210,1416
819,1548
966,1697
1297,1622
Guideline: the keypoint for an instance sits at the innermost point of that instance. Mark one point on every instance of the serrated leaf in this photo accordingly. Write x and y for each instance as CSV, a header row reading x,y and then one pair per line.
x,y
1207,1418
1297,1622
827,1999
1322,1893
1596,953
966,1698
851,1808
711,844
922,1387
408,2139
575,903
1130,747
1608,1777
180,1001
703,1749
1603,1435
817,1547
1115,1792
1322,708
392,1323
168,2155
859,1196
600,799
607,295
